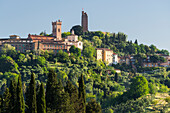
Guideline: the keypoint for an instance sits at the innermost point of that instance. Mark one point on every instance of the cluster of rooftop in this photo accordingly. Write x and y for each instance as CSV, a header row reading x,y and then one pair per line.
x,y
39,42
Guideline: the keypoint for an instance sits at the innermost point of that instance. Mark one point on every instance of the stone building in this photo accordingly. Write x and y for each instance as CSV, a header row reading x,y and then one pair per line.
x,y
84,21
39,42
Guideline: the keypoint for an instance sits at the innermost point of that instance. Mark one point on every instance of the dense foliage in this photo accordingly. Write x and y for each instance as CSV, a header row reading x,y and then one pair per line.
x,y
77,81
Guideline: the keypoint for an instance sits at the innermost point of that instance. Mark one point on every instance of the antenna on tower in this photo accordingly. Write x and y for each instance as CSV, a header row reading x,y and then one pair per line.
x,y
82,9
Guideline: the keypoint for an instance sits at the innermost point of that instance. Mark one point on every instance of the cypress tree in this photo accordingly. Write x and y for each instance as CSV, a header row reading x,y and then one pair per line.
x,y
51,91
62,99
93,107
73,93
116,77
6,101
82,90
20,105
1,104
82,95
13,98
31,96
41,104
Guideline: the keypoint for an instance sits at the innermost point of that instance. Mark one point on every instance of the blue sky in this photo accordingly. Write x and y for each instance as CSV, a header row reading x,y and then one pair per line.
x,y
148,21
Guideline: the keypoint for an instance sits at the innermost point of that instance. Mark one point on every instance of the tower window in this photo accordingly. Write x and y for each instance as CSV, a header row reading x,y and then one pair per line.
x,y
58,30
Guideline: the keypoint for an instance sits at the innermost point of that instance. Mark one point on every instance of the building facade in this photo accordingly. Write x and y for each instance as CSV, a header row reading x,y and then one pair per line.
x,y
105,55
39,42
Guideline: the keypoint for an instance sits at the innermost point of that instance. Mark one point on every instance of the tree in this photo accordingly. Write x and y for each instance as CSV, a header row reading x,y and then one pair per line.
x,y
73,93
136,41
152,88
6,101
93,107
41,104
99,34
140,57
7,64
75,51
65,34
97,42
116,77
21,58
62,56
41,61
82,94
154,58
62,75
62,99
147,49
51,90
31,96
78,30
89,51
8,50
1,101
20,105
138,87
13,98
162,59
153,48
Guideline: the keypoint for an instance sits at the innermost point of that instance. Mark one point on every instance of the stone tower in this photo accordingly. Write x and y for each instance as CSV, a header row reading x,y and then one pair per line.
x,y
84,21
57,30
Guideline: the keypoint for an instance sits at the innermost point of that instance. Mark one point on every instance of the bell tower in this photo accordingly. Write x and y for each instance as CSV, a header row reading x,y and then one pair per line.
x,y
56,26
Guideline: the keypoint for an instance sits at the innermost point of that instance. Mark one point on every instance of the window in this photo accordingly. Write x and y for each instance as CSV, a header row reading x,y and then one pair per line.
x,y
55,46
58,30
61,46
48,45
44,45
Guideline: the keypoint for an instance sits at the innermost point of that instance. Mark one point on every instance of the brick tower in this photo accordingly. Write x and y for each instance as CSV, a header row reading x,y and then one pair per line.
x,y
84,21
57,29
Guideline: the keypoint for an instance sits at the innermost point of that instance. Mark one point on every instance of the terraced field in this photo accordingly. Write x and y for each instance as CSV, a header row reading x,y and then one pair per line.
x,y
159,104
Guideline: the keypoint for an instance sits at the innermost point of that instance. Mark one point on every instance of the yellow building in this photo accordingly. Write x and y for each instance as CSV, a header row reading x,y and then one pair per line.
x,y
105,55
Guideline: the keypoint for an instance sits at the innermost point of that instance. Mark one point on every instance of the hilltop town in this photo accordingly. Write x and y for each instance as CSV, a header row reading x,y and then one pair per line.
x,y
82,71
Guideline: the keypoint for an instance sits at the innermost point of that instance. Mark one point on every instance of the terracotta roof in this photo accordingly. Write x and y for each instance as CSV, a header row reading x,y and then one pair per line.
x,y
14,39
114,54
40,36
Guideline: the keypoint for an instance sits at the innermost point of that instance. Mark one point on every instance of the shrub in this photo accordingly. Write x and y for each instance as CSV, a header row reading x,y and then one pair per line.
x,y
167,99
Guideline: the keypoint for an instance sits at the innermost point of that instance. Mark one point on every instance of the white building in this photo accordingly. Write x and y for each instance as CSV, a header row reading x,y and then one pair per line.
x,y
73,40
115,58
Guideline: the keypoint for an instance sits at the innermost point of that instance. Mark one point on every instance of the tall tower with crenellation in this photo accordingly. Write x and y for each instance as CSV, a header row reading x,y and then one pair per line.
x,y
56,26
84,21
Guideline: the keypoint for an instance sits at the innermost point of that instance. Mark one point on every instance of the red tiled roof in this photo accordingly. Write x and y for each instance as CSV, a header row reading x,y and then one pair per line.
x,y
40,36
